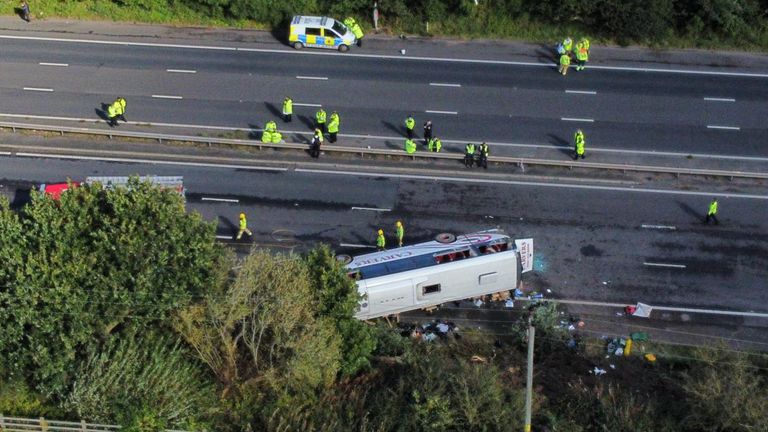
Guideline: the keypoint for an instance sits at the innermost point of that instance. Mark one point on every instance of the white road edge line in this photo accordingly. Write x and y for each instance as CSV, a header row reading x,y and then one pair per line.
x,y
54,64
723,127
372,209
444,85
714,99
223,237
577,119
655,307
589,92
186,71
229,200
653,264
660,227
40,89
307,104
5,153
441,112
311,78
166,97
150,161
354,245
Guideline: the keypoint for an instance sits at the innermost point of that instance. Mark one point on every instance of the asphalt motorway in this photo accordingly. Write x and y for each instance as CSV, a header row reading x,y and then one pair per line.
x,y
689,112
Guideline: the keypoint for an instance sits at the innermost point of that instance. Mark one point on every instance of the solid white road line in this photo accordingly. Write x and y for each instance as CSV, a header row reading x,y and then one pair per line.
x,y
39,89
354,245
660,227
166,97
723,127
311,78
375,56
186,71
372,209
5,153
444,85
228,200
714,99
589,92
530,183
441,112
54,64
306,104
656,307
223,237
653,264
151,161
577,119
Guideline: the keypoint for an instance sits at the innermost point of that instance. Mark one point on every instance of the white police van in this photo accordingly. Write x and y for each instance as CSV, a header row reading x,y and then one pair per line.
x,y
320,32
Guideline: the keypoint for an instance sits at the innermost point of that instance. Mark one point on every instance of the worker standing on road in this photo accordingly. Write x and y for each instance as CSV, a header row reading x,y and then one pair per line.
x,y
582,56
116,111
427,131
435,145
243,227
568,44
565,62
483,152
287,109
399,233
579,143
333,126
585,42
356,30
410,146
410,123
320,119
469,155
381,242
712,213
317,141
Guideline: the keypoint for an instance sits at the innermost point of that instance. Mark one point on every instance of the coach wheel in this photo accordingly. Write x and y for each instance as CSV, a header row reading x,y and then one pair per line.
x,y
445,238
298,45
344,259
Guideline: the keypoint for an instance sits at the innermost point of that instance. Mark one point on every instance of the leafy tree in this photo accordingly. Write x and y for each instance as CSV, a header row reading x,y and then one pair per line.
x,y
81,269
337,299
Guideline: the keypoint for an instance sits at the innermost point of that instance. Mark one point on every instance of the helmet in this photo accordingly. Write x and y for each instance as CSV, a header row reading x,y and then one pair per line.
x,y
398,223
242,215
381,232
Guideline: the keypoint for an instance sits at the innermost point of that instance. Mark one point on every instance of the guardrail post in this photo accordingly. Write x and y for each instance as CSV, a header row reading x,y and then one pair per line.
x,y
2,421
83,426
62,133
43,425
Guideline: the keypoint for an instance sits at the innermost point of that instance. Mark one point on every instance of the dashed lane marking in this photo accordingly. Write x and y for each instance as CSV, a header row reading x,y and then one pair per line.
x,y
355,245
54,64
185,71
38,89
659,227
572,119
441,112
714,99
444,85
311,78
228,200
166,97
723,127
372,209
587,92
5,153
654,264
223,237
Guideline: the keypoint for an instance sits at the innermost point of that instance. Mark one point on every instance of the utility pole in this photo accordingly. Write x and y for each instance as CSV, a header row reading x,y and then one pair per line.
x,y
529,377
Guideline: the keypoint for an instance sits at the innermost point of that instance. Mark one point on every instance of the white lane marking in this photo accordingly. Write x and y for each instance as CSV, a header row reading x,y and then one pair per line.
x,y
659,227
372,209
186,71
150,161
166,97
527,183
444,85
54,64
39,89
229,200
311,78
441,112
223,237
354,245
307,104
723,127
376,56
655,307
653,264
383,137
577,119
5,153
589,92
714,99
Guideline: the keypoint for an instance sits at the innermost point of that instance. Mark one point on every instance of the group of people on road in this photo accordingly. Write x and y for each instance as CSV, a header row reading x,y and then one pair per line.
x,y
566,49
381,240
323,124
472,153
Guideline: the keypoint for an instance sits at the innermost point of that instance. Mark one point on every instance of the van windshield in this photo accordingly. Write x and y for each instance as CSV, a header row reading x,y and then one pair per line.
x,y
339,28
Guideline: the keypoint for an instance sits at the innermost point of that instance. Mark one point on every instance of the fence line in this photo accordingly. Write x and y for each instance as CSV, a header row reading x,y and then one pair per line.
x,y
41,424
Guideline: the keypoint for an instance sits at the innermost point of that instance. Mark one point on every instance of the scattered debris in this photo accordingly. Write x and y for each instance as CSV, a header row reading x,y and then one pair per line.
x,y
598,371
